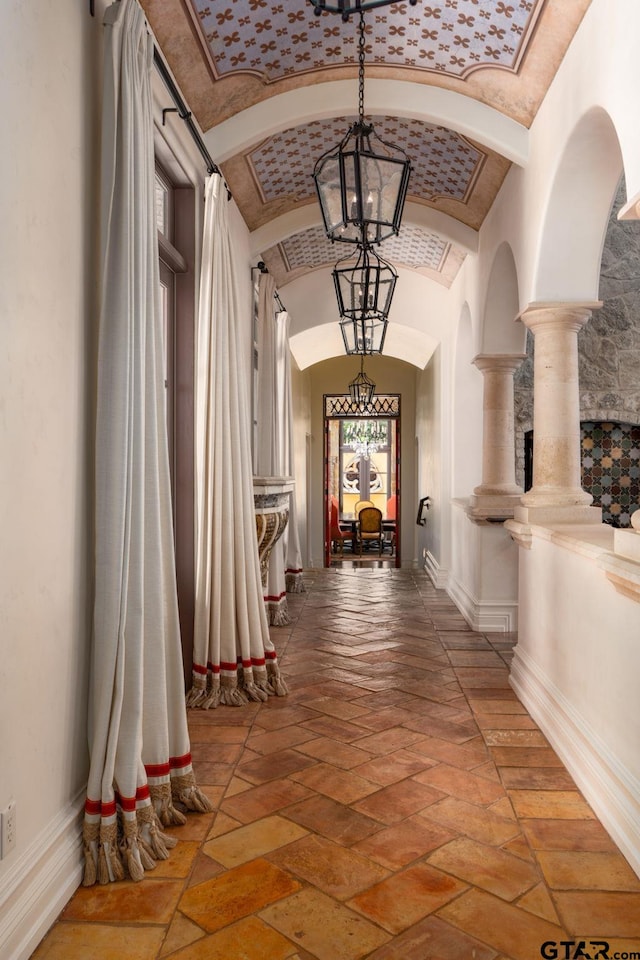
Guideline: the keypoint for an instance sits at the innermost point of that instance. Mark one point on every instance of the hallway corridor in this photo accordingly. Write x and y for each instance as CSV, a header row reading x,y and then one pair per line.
x,y
399,804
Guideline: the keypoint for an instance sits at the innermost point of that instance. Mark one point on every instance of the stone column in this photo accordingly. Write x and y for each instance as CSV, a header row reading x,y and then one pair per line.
x,y
556,494
498,494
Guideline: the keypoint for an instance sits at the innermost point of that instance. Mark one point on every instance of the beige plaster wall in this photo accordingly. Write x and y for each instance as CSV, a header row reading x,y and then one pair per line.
x,y
50,53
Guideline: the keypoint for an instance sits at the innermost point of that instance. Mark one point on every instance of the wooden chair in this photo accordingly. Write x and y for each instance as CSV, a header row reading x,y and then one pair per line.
x,y
369,528
337,534
360,504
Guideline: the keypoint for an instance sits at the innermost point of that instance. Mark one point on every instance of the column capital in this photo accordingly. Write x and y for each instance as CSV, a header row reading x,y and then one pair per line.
x,y
568,315
499,362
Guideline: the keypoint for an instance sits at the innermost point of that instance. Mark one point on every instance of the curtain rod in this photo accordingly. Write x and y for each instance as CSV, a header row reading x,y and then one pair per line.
x,y
181,106
263,268
185,115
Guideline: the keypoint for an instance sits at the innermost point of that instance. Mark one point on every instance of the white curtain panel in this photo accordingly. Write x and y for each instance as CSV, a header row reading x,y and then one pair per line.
x,y
284,418
269,445
140,773
234,657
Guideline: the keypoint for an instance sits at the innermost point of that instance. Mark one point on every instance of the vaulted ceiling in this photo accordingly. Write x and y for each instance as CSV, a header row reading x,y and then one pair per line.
x,y
271,86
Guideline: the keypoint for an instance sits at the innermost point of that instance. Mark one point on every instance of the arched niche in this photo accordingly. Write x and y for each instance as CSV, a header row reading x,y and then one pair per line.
x,y
573,228
501,331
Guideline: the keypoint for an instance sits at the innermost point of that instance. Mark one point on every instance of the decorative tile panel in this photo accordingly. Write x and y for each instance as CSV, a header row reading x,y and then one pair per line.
x,y
382,405
413,247
274,40
611,468
444,163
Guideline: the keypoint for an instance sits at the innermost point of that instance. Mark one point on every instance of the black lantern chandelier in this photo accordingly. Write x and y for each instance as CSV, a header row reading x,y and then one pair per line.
x,y
362,182
362,389
347,7
364,285
363,336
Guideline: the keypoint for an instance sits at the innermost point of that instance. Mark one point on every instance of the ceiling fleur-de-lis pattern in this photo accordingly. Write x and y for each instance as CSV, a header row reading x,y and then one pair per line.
x,y
281,39
232,56
444,163
310,249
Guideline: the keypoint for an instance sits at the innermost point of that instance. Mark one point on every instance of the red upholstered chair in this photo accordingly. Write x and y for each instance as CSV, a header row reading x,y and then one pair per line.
x,y
337,533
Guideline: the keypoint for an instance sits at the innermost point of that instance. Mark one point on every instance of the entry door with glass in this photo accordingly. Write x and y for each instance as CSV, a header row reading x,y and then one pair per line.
x,y
362,463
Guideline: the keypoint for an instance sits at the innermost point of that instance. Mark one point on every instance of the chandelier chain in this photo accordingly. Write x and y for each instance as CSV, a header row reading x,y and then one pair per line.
x,y
361,46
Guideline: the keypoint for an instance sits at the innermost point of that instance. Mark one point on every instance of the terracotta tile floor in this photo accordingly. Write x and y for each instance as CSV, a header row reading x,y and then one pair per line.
x,y
399,804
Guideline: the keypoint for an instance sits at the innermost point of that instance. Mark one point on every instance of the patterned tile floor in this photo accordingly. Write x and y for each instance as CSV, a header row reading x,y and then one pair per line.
x,y
399,804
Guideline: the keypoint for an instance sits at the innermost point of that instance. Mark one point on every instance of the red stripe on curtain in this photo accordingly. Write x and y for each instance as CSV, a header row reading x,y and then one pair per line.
x,y
128,804
163,769
96,808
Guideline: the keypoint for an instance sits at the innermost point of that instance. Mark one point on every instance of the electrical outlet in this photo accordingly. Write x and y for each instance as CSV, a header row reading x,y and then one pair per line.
x,y
8,829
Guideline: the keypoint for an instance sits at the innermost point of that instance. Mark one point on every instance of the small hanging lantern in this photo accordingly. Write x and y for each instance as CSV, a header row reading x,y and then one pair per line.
x,y
362,182
364,285
363,335
362,389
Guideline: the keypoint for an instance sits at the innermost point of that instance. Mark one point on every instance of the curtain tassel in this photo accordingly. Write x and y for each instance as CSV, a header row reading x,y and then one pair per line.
x,y
254,692
294,583
160,842
157,842
90,836
196,696
102,868
232,697
186,792
278,615
168,815
276,682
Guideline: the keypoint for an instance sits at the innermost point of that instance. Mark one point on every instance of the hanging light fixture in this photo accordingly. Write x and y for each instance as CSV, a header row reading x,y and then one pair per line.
x,y
362,389
362,182
363,336
347,7
364,284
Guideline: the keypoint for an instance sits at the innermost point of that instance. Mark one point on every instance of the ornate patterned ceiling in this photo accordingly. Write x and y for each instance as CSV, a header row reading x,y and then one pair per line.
x,y
277,40
230,56
414,247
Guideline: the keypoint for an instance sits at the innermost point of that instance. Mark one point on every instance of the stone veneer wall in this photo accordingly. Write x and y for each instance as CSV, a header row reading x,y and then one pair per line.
x,y
608,345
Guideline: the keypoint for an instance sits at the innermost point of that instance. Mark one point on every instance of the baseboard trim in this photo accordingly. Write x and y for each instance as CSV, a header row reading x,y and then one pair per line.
x,y
483,617
608,786
436,574
39,885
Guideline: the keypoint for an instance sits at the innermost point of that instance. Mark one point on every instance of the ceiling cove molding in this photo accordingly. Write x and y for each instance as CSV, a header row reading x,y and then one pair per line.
x,y
467,116
433,221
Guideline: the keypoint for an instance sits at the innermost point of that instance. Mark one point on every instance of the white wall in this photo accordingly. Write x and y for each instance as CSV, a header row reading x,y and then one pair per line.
x,y
483,575
431,470
576,668
50,54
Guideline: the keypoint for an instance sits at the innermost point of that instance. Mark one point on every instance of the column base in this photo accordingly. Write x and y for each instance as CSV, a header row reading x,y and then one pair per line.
x,y
492,507
558,513
626,543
